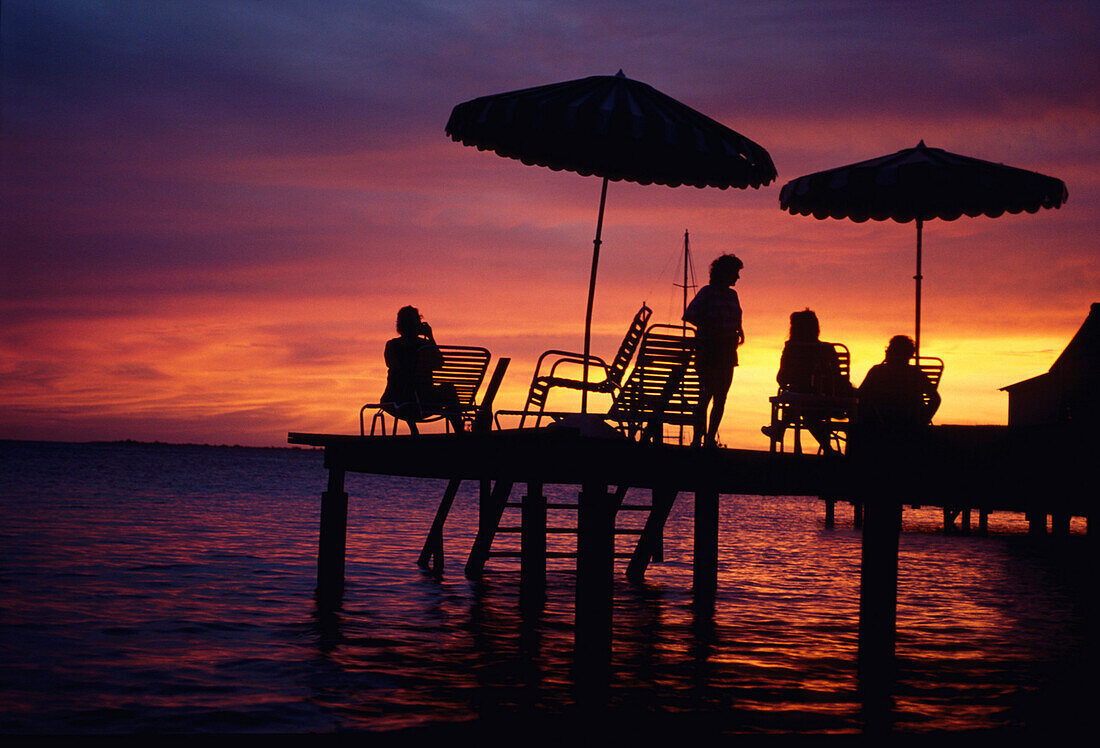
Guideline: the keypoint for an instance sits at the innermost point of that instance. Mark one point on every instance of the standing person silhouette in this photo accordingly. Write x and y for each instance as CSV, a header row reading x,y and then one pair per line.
x,y
716,313
410,360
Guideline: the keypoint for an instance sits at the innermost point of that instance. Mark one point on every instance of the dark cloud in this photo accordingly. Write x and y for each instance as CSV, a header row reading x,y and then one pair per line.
x,y
249,75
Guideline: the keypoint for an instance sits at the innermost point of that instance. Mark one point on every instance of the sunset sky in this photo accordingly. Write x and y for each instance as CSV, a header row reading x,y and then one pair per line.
x,y
211,211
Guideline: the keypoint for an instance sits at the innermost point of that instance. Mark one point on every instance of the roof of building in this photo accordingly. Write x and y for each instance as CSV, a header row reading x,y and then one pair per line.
x,y
1081,355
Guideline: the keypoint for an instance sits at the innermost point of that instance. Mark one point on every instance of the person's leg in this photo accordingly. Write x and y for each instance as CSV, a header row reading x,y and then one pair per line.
x,y
721,385
716,417
410,414
704,401
820,431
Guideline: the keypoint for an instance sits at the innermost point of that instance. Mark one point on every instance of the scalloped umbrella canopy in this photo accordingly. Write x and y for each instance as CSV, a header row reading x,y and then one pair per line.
x,y
920,184
616,128
613,127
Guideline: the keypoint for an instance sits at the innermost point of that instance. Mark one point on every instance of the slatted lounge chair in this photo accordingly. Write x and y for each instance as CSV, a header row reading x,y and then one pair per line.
x,y
793,410
662,389
608,378
463,370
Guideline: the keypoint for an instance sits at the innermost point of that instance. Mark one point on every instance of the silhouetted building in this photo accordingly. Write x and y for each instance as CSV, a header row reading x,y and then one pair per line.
x,y
1070,392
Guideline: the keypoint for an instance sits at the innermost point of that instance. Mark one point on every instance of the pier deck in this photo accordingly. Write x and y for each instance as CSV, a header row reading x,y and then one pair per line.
x,y
992,468
563,456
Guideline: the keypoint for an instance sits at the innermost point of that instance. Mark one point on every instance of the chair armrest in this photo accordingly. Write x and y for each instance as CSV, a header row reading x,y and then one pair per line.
x,y
567,357
377,406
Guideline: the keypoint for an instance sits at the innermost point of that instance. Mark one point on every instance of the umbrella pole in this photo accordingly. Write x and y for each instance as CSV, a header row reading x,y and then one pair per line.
x,y
591,295
918,277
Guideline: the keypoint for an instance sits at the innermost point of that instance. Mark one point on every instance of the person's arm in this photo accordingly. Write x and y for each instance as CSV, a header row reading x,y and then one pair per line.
x,y
783,376
429,358
693,312
740,321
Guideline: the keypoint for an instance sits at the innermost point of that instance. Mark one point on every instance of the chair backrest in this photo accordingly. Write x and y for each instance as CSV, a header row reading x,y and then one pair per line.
x,y
664,385
464,369
617,369
932,368
483,419
844,359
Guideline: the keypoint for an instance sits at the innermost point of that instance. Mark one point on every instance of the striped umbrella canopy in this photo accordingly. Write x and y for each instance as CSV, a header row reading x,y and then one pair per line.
x,y
919,184
616,128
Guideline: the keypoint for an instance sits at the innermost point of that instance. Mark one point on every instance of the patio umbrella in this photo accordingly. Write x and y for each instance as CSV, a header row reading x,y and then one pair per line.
x,y
616,128
920,184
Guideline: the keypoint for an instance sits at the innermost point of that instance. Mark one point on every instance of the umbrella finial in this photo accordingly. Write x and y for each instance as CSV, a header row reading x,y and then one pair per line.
x,y
620,74
921,144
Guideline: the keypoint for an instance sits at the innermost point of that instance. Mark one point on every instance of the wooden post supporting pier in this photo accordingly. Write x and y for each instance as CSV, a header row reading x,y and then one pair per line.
x,y
705,561
594,591
878,591
332,541
650,541
532,569
1059,524
431,556
1036,522
491,502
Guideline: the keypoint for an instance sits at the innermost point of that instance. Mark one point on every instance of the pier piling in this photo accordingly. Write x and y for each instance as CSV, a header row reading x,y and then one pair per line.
x,y
532,569
333,539
878,591
705,561
491,502
650,542
594,586
432,554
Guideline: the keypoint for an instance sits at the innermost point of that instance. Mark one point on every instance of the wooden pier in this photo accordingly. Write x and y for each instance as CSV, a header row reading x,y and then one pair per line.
x,y
962,469
603,467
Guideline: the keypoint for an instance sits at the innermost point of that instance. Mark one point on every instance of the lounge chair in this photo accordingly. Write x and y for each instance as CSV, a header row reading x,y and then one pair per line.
x,y
462,372
609,377
662,389
834,409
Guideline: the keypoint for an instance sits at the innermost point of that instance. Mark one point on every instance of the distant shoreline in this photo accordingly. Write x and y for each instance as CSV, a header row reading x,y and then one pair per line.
x,y
157,443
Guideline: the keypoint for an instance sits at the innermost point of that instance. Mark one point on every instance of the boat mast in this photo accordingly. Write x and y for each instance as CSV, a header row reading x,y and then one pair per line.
x,y
688,283
689,280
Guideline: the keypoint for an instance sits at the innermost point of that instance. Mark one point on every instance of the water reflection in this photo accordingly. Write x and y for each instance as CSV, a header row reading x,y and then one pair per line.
x,y
773,649
125,612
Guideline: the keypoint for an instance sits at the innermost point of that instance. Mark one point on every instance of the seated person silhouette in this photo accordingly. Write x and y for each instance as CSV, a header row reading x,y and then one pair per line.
x,y
896,405
896,398
809,366
410,359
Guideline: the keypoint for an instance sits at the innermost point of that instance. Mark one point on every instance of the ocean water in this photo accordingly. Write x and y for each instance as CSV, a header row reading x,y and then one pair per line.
x,y
169,589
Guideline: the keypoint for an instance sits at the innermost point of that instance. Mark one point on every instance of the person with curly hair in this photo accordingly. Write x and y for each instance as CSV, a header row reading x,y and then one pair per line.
x,y
716,313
